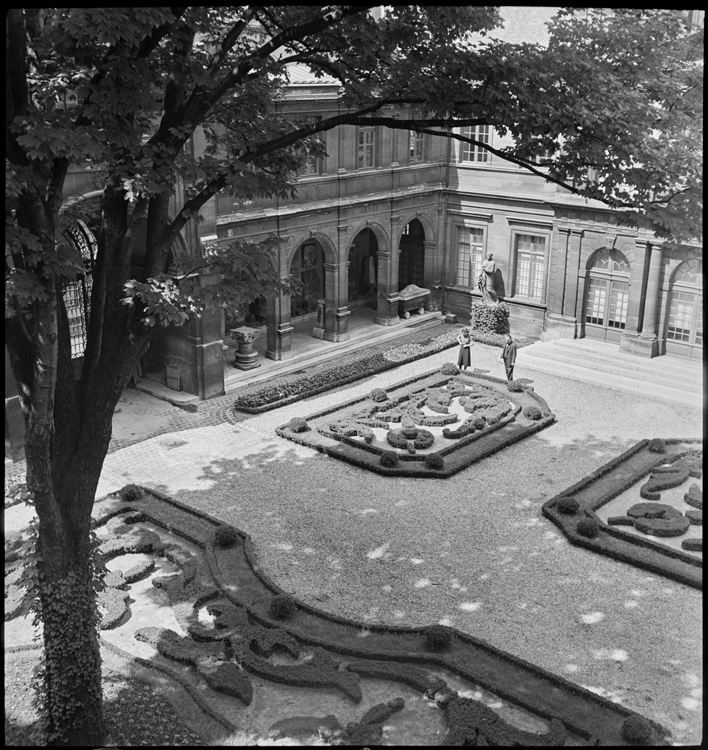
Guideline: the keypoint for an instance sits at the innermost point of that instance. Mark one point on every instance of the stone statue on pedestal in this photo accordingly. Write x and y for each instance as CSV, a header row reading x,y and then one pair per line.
x,y
485,282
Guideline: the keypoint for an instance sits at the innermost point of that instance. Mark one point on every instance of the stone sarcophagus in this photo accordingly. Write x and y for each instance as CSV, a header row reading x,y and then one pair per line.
x,y
410,298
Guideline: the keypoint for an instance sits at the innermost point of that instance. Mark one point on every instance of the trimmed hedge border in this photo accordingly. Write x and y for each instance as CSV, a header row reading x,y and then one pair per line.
x,y
392,650
614,541
370,365
369,457
226,562
378,364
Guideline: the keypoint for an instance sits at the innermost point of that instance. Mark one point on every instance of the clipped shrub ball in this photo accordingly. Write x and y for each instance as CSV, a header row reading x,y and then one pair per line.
x,y
450,369
532,412
568,506
434,461
657,445
298,424
588,528
479,423
378,395
389,459
225,536
282,606
514,386
130,493
438,637
637,730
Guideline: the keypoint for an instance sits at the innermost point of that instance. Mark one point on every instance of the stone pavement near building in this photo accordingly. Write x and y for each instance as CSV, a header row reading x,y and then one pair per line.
x,y
472,551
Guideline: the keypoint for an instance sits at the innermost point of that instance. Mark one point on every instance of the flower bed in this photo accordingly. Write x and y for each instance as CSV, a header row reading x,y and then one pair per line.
x,y
659,537
457,418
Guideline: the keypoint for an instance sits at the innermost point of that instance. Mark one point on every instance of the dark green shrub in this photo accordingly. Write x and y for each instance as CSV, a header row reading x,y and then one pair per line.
x,y
450,369
438,637
657,445
389,459
637,730
490,318
514,386
131,492
225,536
568,506
282,606
434,461
532,412
588,528
479,423
298,424
378,395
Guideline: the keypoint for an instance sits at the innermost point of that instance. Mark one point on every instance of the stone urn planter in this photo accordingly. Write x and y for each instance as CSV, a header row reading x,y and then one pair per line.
x,y
246,356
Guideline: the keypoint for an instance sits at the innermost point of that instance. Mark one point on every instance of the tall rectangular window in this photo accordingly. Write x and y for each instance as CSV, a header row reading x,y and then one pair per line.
x,y
597,296
619,301
416,146
470,253
366,147
475,153
681,317
530,266
314,164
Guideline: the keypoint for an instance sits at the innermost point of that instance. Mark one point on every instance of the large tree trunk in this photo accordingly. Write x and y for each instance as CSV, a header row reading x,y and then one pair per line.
x,y
68,598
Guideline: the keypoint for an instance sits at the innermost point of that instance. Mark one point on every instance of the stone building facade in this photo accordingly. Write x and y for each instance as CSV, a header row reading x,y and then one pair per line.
x,y
389,208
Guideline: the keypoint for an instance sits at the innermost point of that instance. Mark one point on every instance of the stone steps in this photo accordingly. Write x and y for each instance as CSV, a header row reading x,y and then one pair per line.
x,y
591,361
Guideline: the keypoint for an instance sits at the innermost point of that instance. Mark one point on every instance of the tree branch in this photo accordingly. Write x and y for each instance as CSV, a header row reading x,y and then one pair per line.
x,y
230,39
287,36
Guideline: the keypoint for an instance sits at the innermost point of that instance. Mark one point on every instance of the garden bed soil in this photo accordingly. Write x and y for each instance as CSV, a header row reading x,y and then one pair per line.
x,y
598,489
457,454
229,579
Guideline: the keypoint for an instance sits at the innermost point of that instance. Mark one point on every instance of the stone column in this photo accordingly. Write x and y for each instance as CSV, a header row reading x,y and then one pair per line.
x,y
387,293
561,320
433,276
572,274
647,343
194,352
637,297
279,328
336,315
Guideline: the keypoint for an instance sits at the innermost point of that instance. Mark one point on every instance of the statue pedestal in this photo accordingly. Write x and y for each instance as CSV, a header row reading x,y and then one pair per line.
x,y
246,356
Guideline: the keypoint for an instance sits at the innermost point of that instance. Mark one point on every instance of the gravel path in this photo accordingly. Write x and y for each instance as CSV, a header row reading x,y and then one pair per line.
x,y
472,551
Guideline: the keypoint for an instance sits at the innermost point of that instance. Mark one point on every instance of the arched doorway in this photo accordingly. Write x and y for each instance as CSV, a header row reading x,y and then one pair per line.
x,y
308,266
77,293
684,324
363,270
411,258
607,295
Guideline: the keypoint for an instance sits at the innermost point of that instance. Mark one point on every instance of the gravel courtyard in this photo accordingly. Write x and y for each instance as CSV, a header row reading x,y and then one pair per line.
x,y
472,551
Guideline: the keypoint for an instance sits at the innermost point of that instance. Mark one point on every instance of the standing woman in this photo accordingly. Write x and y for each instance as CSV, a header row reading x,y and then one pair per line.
x,y
465,342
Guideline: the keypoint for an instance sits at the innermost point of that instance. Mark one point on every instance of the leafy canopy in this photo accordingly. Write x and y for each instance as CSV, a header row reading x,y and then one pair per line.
x,y
612,104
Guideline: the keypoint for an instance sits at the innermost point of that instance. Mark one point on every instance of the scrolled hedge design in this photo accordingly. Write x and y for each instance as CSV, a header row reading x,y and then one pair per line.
x,y
420,438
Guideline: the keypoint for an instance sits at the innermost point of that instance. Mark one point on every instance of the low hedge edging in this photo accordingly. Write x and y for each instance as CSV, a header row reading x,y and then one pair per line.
x,y
273,397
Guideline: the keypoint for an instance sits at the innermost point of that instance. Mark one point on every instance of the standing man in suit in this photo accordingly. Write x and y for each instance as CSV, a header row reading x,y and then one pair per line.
x,y
509,356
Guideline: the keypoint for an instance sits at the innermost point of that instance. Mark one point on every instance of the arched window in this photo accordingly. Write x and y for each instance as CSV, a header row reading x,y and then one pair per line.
x,y
607,290
77,293
685,323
